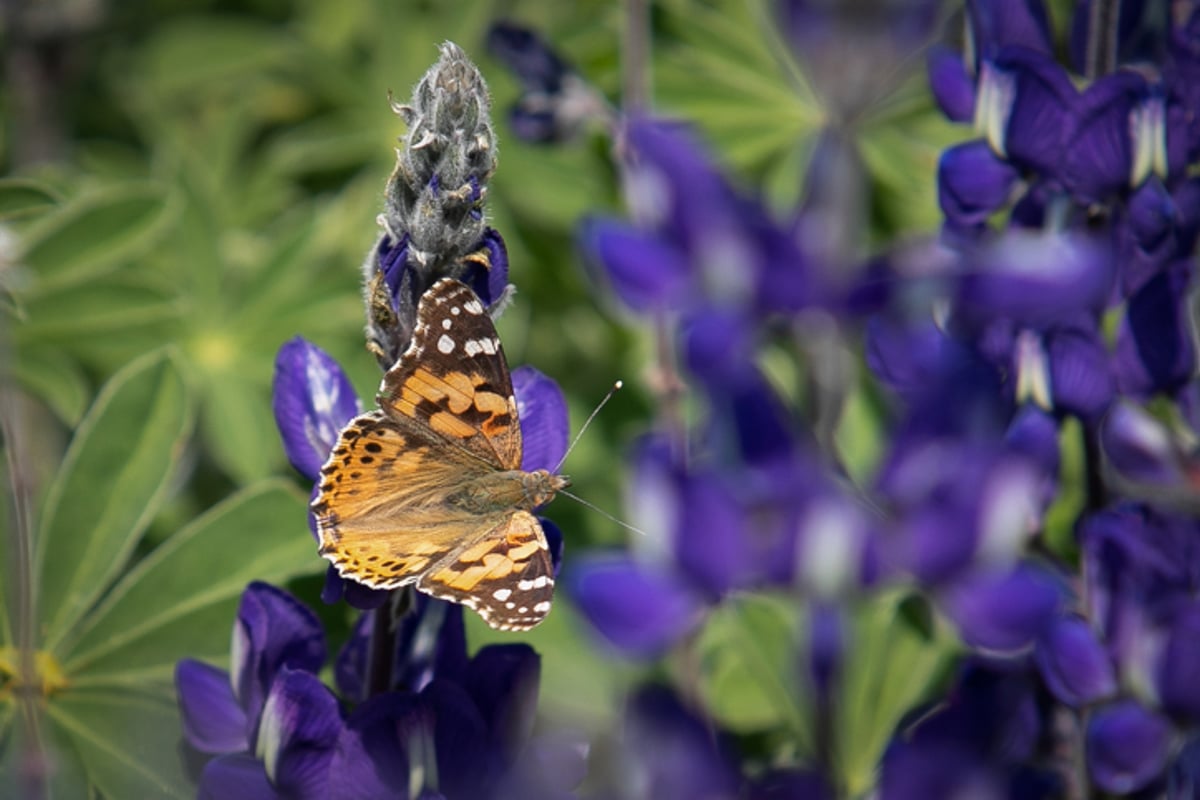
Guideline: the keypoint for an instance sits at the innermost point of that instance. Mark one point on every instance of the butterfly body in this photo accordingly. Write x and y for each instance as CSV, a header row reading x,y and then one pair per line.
x,y
428,489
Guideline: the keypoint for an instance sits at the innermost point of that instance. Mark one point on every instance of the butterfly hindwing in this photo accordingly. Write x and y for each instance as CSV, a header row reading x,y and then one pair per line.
x,y
505,574
454,379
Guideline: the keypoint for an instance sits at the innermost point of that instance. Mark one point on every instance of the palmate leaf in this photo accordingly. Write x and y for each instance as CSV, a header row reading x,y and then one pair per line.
x,y
178,601
115,472
101,712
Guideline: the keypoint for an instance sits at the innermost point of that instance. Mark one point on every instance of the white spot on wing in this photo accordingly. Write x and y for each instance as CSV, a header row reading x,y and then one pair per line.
x,y
473,307
446,324
455,310
472,347
445,345
542,607
502,594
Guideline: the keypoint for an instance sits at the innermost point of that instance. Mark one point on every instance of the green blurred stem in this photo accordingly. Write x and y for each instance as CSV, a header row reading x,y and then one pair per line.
x,y
635,58
1101,55
23,599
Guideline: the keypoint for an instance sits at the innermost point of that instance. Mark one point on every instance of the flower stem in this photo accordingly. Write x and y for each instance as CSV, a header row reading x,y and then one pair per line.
x,y
381,647
1101,55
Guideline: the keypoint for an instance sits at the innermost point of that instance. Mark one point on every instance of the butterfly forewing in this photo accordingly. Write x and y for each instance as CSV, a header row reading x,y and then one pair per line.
x,y
454,379
427,490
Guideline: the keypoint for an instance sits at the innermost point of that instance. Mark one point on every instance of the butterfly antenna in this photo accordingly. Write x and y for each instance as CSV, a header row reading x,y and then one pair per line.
x,y
585,425
602,512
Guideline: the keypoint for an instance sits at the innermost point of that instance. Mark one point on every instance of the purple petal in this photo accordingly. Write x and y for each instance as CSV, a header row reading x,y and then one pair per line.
x,y
710,538
236,777
337,588
370,761
973,183
1138,446
543,414
213,722
1079,372
554,540
639,610
300,728
791,784
1127,747
527,55
1099,161
551,766
826,649
1042,98
1074,664
1037,278
498,272
1154,350
466,761
645,271
672,180
1001,23
273,631
1004,612
672,751
313,400
953,87
1178,687
503,681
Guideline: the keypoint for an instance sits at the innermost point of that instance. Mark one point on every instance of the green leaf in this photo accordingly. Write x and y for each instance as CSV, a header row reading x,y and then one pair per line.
x,y
81,314
128,743
22,197
181,599
96,234
897,656
47,745
749,669
112,479
239,429
51,375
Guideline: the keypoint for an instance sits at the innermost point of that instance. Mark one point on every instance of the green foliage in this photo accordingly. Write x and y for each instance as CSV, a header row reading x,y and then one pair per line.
x,y
108,630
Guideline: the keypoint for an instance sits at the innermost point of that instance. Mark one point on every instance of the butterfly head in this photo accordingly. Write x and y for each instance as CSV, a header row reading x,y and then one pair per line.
x,y
541,486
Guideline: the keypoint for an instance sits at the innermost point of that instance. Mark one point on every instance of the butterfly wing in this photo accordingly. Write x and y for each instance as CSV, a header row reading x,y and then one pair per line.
x,y
505,573
380,510
453,379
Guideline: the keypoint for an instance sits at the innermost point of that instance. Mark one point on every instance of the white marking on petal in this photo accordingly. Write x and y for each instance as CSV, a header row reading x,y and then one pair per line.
x,y
445,345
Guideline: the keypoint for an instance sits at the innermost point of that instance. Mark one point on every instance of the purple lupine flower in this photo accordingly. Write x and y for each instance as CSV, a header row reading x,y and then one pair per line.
x,y
1143,451
313,400
1122,131
1154,350
270,723
670,753
1127,747
695,241
459,727
1074,664
555,104
982,740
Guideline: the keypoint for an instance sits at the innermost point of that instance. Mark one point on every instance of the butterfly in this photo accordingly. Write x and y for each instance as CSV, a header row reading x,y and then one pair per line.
x,y
428,490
